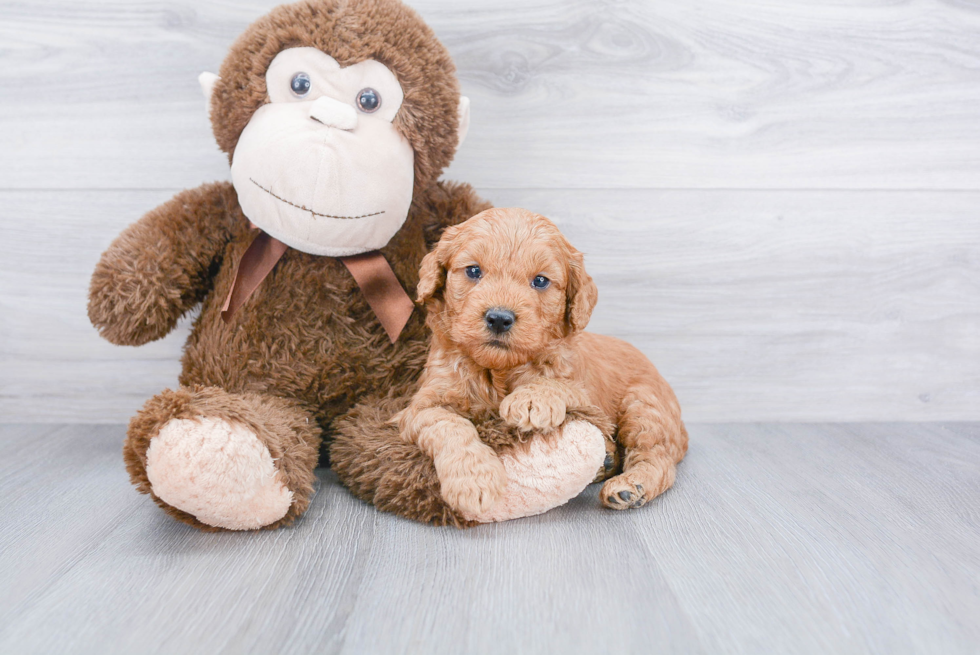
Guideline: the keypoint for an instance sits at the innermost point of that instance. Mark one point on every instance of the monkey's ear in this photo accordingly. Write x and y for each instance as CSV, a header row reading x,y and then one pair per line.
x,y
581,294
432,275
464,119
207,80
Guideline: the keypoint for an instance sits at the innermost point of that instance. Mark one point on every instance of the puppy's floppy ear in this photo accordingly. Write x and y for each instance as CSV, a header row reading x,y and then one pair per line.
x,y
581,294
432,274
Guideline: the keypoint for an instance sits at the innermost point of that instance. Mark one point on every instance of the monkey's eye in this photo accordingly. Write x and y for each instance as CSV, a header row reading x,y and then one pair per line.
x,y
474,272
368,100
540,282
300,84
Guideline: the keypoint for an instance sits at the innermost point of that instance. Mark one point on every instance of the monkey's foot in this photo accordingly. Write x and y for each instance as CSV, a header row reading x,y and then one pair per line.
x,y
218,471
547,472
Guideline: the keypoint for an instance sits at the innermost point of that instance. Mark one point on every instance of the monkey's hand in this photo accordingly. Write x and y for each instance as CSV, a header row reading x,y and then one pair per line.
x,y
161,266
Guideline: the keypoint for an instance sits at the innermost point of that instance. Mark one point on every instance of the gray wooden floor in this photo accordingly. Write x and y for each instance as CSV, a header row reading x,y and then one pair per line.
x,y
778,538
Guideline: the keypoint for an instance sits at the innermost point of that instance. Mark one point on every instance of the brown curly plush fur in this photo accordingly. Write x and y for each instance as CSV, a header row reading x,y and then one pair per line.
x,y
279,423
306,346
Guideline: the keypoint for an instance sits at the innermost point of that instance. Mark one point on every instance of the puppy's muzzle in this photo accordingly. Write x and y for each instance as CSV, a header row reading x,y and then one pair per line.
x,y
499,320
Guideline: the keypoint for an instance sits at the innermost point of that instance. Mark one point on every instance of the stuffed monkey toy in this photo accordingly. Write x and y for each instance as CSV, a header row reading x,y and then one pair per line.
x,y
338,118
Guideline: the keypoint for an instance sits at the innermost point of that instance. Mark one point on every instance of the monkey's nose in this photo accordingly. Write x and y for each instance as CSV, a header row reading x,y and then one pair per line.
x,y
334,113
499,320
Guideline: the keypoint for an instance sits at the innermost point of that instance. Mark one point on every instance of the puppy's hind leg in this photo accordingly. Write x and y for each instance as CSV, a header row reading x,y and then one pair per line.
x,y
654,440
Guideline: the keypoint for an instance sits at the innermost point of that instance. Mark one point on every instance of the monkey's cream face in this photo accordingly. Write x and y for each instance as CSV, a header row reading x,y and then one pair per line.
x,y
321,167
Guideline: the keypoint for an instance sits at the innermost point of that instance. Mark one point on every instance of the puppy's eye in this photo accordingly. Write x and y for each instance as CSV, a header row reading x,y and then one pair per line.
x,y
474,272
540,282
368,100
300,84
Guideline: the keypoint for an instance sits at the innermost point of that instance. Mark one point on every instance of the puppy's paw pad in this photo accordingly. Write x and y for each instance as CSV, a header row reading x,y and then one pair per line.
x,y
609,465
620,493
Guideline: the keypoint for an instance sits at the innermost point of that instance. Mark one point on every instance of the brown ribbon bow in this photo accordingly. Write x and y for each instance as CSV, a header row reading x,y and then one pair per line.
x,y
371,271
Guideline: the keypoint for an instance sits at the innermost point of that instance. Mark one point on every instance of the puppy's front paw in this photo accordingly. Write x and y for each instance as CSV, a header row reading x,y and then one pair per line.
x,y
471,480
533,408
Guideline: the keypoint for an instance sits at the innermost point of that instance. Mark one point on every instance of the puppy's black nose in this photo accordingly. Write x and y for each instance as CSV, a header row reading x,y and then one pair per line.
x,y
499,320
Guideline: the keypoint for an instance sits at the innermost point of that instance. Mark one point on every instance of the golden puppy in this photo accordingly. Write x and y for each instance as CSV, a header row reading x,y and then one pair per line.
x,y
508,298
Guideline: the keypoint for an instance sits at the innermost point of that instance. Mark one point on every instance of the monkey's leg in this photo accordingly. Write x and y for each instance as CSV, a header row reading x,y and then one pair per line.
x,y
654,440
378,466
219,460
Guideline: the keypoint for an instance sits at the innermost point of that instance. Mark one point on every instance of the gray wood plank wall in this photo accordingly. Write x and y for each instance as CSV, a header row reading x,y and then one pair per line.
x,y
779,200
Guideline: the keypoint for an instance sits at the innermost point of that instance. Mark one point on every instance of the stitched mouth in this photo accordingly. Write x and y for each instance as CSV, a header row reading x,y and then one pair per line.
x,y
307,209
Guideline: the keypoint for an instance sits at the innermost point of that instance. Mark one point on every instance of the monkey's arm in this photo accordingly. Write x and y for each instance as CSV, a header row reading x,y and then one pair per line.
x,y
450,203
161,266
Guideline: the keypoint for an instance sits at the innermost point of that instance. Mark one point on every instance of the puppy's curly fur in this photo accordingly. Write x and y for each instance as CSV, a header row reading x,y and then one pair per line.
x,y
531,368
